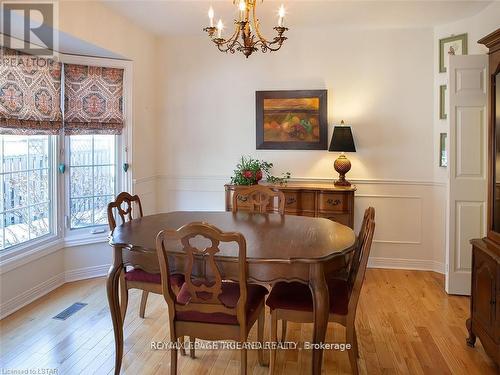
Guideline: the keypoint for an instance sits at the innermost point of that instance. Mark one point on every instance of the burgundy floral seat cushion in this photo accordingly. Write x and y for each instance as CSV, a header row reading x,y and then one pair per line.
x,y
176,280
297,296
229,297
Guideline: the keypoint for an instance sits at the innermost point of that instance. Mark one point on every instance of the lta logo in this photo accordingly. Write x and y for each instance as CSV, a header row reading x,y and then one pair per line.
x,y
29,27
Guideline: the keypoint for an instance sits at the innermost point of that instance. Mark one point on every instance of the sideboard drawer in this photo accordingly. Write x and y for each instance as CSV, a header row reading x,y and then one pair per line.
x,y
333,202
296,201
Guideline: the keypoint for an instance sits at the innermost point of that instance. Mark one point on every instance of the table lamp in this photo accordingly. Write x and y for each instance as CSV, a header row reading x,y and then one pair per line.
x,y
342,141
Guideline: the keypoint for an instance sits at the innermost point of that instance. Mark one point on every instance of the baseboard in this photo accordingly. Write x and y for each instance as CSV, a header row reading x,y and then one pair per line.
x,y
30,295
48,286
86,273
406,264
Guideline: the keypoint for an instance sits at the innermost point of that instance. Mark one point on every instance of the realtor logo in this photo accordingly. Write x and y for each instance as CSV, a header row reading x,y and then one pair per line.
x,y
29,27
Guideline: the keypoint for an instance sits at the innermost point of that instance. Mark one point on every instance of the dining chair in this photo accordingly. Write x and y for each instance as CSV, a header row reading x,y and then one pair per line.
x,y
258,198
293,301
207,306
135,278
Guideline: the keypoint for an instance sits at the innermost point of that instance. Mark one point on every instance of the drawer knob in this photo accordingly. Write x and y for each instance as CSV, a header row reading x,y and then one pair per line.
x,y
290,200
333,202
242,198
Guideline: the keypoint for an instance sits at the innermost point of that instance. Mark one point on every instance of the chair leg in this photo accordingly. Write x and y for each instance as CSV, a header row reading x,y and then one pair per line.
x,y
260,335
144,299
274,339
173,361
123,295
353,353
283,330
355,342
243,364
180,340
192,341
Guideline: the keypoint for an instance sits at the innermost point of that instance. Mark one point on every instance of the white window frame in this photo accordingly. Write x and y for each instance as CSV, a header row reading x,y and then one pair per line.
x,y
123,181
64,237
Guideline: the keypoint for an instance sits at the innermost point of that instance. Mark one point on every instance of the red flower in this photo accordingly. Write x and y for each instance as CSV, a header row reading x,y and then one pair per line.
x,y
247,174
258,175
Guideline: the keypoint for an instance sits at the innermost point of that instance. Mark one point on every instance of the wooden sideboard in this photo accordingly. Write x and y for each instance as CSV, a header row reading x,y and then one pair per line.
x,y
311,199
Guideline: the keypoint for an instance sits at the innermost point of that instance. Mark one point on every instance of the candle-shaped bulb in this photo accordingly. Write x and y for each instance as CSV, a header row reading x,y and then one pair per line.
x,y
220,26
281,13
242,6
211,16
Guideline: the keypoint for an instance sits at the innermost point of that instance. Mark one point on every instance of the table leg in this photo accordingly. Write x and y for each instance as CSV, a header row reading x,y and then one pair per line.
x,y
321,304
114,306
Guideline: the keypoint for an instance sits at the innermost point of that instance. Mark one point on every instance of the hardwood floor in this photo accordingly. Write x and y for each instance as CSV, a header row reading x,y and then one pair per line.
x,y
406,324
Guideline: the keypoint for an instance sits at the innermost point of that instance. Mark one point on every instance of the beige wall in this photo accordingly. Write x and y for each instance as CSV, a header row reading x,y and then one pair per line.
x,y
379,81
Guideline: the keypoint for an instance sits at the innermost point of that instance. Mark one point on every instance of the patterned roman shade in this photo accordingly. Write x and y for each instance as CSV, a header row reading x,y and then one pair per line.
x,y
93,100
30,94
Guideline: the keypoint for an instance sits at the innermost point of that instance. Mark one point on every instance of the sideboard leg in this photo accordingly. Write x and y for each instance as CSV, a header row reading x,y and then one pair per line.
x,y
471,340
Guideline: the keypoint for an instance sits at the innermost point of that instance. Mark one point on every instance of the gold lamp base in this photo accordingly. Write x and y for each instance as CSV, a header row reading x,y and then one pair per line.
x,y
342,165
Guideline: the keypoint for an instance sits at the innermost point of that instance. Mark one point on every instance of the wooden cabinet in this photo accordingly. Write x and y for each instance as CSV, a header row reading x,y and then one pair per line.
x,y
485,297
316,200
484,321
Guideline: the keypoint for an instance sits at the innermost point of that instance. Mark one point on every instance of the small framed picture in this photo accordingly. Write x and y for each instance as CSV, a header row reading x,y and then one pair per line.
x,y
453,45
443,155
443,103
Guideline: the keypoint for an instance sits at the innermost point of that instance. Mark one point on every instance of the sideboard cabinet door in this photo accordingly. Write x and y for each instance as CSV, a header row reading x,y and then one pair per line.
x,y
485,290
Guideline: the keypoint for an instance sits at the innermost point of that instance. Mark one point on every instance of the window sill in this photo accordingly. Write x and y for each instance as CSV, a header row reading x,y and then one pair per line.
x,y
85,239
30,253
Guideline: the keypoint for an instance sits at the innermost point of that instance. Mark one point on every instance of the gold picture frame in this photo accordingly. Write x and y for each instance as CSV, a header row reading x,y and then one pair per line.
x,y
455,45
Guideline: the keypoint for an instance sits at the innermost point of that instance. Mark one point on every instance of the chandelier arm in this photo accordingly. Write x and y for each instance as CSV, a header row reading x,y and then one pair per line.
x,y
233,37
256,24
271,46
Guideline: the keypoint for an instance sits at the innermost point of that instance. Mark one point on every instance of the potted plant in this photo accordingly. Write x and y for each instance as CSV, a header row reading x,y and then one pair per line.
x,y
250,171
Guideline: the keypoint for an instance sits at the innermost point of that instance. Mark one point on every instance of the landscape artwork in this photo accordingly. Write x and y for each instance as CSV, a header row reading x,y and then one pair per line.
x,y
292,120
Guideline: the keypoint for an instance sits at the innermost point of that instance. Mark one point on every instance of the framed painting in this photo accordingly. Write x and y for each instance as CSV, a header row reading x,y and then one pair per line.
x,y
443,104
443,154
292,120
453,45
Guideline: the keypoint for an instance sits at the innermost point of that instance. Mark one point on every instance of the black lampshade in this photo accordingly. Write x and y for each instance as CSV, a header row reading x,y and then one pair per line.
x,y
342,139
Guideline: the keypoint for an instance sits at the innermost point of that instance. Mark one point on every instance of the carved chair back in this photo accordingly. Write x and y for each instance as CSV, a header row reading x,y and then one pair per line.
x,y
204,291
360,261
123,205
369,215
258,198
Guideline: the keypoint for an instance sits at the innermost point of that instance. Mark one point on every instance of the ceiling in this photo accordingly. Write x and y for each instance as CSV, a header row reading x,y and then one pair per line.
x,y
66,43
165,17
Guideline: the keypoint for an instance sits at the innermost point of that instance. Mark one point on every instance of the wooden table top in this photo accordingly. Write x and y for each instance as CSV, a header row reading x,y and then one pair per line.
x,y
269,237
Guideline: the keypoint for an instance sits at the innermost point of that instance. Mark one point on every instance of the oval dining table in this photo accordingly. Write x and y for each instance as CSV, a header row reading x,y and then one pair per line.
x,y
279,248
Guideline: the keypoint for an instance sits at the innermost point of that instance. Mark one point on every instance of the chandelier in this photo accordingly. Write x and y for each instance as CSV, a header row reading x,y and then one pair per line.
x,y
246,37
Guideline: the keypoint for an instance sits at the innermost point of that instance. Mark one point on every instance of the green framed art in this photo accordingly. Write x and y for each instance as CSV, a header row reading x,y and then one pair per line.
x,y
455,43
442,102
443,154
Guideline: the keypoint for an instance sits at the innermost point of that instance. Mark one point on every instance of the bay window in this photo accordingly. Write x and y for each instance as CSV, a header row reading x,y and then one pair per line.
x,y
59,167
